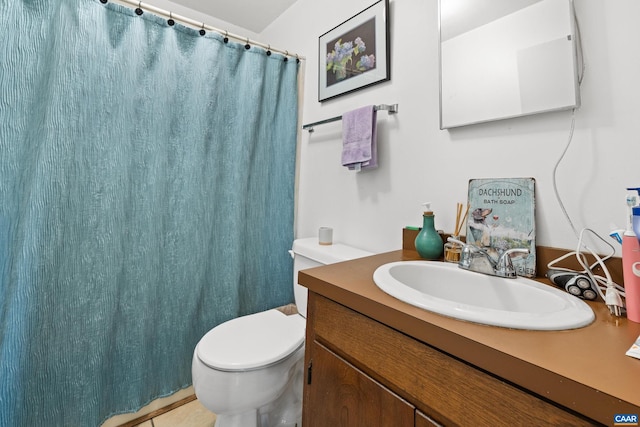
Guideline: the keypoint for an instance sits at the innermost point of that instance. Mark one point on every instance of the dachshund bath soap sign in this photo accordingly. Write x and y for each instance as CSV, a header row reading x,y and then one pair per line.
x,y
502,216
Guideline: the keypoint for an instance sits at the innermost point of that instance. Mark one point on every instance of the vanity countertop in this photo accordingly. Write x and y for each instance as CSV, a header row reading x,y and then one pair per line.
x,y
585,370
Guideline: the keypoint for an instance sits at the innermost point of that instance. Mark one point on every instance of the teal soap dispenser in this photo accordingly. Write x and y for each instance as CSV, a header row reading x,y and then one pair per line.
x,y
428,242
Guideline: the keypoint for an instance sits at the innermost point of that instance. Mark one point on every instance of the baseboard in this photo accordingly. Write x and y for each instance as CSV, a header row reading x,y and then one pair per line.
x,y
159,412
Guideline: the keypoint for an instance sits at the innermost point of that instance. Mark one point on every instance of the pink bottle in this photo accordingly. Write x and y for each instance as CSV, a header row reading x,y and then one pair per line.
x,y
631,275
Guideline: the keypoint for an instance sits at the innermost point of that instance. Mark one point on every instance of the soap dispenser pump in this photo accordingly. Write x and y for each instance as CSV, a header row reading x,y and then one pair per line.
x,y
428,242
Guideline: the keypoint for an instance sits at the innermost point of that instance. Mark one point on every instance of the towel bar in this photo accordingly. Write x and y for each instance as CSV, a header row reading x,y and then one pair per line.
x,y
392,109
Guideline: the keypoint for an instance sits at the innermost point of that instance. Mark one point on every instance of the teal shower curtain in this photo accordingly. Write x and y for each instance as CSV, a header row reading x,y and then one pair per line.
x,y
146,195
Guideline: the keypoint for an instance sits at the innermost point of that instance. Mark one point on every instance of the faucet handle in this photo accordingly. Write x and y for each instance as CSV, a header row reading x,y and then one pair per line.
x,y
456,241
504,267
465,255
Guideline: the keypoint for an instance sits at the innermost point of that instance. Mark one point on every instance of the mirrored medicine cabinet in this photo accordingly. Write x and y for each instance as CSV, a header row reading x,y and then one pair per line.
x,y
501,59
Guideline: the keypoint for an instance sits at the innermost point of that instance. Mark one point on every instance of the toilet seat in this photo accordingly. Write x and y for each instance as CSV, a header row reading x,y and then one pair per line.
x,y
251,342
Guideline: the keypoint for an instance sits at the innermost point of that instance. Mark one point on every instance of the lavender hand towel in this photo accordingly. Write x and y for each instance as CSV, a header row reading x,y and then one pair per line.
x,y
359,146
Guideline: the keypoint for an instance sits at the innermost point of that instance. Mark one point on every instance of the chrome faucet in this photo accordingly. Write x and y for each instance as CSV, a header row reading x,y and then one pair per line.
x,y
476,259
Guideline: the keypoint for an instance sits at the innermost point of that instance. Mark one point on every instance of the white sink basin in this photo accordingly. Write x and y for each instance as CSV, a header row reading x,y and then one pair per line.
x,y
518,303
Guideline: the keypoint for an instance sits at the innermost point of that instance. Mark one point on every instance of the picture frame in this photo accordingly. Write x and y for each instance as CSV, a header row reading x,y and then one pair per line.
x,y
355,54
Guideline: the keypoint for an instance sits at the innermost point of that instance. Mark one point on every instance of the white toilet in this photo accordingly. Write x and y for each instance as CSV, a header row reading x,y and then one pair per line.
x,y
249,370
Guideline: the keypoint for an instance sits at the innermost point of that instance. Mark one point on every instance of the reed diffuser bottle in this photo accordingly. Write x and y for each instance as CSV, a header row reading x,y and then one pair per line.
x,y
452,251
428,242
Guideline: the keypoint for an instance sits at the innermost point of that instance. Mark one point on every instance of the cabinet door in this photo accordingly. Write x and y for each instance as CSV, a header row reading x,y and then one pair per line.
x,y
340,395
423,421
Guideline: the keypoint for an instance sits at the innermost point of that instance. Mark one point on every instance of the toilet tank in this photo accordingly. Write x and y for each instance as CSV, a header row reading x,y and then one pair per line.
x,y
308,253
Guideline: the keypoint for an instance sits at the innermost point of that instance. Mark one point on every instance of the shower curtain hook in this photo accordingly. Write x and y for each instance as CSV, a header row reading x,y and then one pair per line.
x,y
226,36
286,55
269,50
171,22
247,46
139,10
202,31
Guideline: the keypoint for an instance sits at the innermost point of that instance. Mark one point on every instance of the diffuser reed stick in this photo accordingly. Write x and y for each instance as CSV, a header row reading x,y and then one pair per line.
x,y
460,221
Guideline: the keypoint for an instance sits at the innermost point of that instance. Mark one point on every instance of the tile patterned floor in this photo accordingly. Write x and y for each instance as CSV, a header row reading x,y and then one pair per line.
x,y
193,414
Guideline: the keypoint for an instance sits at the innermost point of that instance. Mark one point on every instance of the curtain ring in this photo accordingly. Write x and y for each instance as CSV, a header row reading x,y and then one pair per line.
x,y
226,36
202,31
247,46
171,22
139,10
268,50
286,55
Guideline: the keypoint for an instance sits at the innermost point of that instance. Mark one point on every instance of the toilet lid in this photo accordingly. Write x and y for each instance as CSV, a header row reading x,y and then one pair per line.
x,y
252,341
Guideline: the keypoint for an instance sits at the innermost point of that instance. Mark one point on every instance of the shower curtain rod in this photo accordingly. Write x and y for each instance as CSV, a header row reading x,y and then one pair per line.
x,y
202,25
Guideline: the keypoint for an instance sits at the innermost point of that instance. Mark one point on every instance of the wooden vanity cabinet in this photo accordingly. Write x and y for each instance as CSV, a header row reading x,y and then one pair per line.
x,y
362,373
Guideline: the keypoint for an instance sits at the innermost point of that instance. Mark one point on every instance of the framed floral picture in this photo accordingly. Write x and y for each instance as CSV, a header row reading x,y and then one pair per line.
x,y
355,54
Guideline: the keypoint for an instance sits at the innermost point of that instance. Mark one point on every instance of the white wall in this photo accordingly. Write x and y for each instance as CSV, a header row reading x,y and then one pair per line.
x,y
187,12
420,162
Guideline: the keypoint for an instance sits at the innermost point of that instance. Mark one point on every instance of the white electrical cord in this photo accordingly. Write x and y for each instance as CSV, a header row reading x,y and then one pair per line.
x,y
601,282
612,293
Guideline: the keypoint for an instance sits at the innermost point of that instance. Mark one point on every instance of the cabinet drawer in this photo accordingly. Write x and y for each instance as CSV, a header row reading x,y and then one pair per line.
x,y
447,389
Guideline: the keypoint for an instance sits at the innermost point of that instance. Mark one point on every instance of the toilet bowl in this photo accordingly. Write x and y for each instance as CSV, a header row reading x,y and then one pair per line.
x,y
249,370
